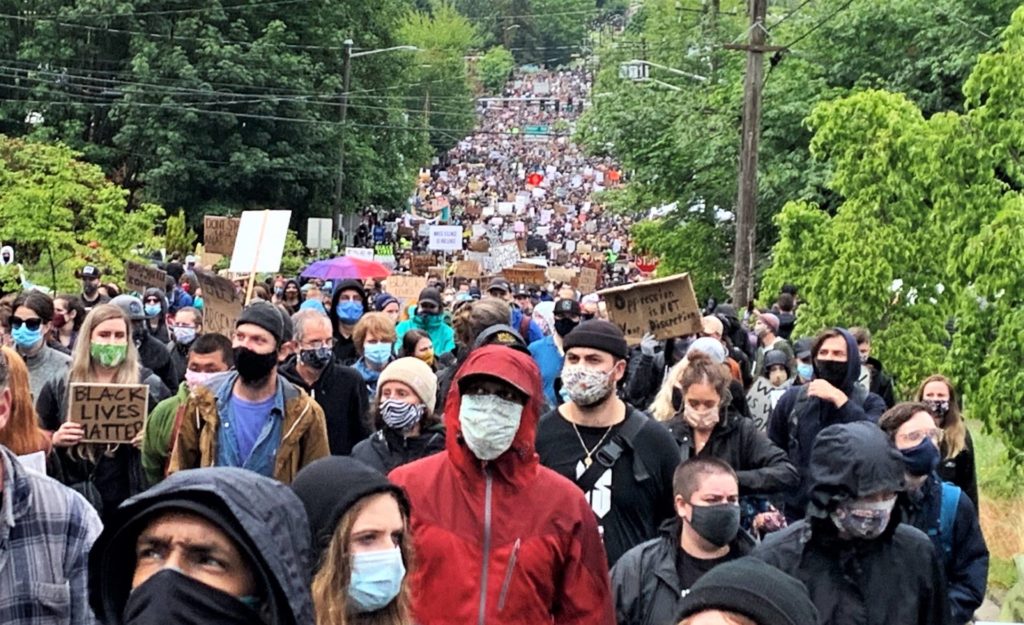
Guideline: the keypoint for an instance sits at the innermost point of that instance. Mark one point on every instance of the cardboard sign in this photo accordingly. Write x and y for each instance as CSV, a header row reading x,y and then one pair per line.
x,y
667,307
222,304
518,275
560,274
419,264
506,255
759,401
219,234
445,238
109,413
467,269
405,288
365,253
260,242
587,281
139,277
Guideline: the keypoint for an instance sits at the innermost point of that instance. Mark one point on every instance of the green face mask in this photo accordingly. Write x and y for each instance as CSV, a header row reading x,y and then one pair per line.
x,y
109,355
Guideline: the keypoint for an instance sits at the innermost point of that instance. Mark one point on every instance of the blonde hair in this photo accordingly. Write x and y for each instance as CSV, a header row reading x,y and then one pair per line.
x,y
22,434
81,357
330,599
954,431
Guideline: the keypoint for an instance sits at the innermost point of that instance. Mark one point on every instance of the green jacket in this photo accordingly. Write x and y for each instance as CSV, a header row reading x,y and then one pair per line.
x,y
156,440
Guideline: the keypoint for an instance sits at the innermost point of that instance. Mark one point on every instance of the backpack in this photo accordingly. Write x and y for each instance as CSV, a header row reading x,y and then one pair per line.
x,y
947,517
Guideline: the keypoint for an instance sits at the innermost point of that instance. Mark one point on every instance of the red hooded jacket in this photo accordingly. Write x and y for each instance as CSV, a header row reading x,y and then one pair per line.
x,y
503,542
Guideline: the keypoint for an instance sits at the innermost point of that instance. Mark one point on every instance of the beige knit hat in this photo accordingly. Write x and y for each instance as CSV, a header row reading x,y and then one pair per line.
x,y
416,374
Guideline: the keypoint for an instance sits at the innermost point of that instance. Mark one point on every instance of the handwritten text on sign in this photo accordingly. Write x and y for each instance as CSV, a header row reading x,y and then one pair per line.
x,y
109,413
140,277
222,304
667,307
219,234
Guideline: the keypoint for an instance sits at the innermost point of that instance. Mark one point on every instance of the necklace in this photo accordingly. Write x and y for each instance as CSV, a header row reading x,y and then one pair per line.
x,y
587,461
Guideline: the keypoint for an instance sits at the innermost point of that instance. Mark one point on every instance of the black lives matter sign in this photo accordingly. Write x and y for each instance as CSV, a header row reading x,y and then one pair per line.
x,y
109,413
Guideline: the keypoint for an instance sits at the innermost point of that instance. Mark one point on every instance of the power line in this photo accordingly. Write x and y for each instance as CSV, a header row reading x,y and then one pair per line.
x,y
790,14
205,9
821,23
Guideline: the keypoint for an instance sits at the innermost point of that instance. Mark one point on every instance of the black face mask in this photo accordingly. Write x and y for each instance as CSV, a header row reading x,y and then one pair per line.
x,y
716,524
89,288
316,358
565,326
171,597
832,371
253,367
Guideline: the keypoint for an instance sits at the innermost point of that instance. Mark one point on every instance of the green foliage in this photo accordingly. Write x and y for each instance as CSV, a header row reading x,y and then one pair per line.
x,y
494,68
295,256
60,213
695,247
178,237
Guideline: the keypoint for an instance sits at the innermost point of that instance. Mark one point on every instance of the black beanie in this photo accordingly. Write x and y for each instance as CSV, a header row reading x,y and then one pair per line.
x,y
264,315
598,334
328,487
753,588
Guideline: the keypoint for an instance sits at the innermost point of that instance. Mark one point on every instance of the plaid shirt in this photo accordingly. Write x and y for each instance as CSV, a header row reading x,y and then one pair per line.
x,y
46,530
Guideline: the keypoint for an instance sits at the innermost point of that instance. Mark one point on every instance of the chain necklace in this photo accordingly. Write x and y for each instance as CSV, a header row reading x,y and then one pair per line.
x,y
587,461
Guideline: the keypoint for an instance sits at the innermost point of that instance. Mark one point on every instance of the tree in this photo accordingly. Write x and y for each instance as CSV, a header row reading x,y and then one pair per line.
x,y
178,237
494,68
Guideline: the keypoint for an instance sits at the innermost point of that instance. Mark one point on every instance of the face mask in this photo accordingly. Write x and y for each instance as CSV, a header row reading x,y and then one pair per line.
x,y
25,338
832,371
108,355
430,320
427,357
939,407
139,333
489,424
349,312
377,353
172,597
805,371
316,358
585,386
921,459
279,291
863,519
399,415
152,310
700,419
716,524
88,288
253,367
197,378
58,321
376,579
778,377
565,326
184,335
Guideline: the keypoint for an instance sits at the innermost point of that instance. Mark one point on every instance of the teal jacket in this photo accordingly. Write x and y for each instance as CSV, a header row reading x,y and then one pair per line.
x,y
442,336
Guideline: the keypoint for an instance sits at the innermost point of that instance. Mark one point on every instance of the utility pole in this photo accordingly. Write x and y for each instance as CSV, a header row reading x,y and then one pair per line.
x,y
346,70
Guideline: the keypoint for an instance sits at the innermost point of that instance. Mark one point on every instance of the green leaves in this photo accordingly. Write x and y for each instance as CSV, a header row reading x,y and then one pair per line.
x,y
495,67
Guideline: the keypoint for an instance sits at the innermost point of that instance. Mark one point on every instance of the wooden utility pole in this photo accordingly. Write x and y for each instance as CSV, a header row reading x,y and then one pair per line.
x,y
346,79
745,251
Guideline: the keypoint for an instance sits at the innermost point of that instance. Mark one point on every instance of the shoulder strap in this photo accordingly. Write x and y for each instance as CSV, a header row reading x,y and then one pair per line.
x,y
947,515
524,327
606,457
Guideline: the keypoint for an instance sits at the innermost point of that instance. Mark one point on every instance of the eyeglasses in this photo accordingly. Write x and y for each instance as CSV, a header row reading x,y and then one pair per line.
x,y
31,324
935,434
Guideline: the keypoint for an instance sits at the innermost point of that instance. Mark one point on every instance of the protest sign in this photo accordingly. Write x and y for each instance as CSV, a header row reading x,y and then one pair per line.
x,y
759,402
222,304
383,249
365,253
503,256
318,233
219,234
419,264
405,288
445,238
521,275
587,281
467,269
139,277
260,242
109,413
484,258
560,274
667,307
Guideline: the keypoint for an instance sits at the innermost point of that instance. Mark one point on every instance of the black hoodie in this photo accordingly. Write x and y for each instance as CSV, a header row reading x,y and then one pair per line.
x,y
344,348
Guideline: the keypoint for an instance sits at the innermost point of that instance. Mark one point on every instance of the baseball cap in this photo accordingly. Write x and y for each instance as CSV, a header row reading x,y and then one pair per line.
x,y
499,283
89,272
567,306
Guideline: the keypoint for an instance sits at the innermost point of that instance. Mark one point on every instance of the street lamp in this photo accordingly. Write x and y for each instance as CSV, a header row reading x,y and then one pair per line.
x,y
636,69
346,70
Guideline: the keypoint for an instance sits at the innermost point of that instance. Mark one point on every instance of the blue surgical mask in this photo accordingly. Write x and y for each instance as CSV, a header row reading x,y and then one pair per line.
x,y
349,312
806,371
25,338
377,353
376,579
152,310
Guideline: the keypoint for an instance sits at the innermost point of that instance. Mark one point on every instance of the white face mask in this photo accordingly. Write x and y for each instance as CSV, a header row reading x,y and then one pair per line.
x,y
489,424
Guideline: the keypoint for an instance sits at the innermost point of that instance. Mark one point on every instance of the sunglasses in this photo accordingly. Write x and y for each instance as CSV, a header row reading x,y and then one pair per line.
x,y
32,324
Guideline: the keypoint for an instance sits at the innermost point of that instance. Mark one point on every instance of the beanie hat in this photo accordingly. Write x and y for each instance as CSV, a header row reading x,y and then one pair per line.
x,y
416,374
266,316
383,300
131,305
330,486
753,588
770,320
712,348
430,294
598,334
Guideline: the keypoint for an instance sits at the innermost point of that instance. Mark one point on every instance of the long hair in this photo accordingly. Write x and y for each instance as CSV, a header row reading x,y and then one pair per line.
x,y
697,367
330,599
954,431
81,358
22,435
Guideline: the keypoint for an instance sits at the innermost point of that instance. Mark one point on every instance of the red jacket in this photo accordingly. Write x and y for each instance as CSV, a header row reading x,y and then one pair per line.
x,y
519,532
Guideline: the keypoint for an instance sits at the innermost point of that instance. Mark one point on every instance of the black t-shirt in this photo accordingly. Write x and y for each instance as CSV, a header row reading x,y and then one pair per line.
x,y
628,510
690,569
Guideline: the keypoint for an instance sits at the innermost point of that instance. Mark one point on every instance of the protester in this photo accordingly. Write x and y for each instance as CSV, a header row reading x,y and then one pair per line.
x,y
104,354
374,338
417,344
252,418
154,304
541,559
152,353
179,294
339,390
650,580
361,543
715,350
471,320
291,299
521,322
747,592
91,296
218,545
428,318
877,380
47,532
22,434
804,361
620,458
30,325
859,563
209,355
68,315
957,466
388,304
348,305
549,352
938,509
832,397
405,427
777,372
187,325
766,327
